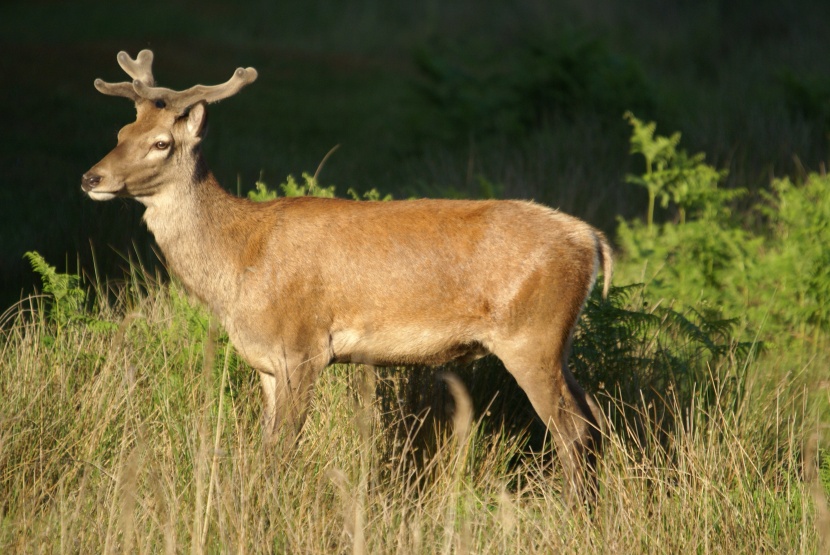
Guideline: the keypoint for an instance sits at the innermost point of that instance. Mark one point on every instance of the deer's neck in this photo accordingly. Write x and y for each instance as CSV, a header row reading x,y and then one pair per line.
x,y
200,232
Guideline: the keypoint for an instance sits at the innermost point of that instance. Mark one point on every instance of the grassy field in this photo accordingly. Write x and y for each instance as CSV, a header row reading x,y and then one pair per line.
x,y
128,424
138,431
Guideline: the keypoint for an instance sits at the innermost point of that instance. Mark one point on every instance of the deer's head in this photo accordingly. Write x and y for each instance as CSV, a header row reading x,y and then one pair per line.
x,y
162,146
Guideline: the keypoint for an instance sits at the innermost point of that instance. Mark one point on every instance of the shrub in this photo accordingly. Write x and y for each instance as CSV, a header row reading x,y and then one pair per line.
x,y
775,276
794,269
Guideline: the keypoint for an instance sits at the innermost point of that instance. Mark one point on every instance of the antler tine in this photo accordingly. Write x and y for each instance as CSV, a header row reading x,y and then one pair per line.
x,y
181,100
117,89
139,69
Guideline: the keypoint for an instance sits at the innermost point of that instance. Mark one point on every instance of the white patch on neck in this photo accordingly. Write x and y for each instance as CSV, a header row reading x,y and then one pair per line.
x,y
163,210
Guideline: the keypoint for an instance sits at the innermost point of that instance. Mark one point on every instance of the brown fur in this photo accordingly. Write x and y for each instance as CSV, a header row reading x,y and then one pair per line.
x,y
300,283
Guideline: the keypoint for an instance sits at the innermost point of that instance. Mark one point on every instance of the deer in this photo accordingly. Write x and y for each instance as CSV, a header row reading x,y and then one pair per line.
x,y
300,283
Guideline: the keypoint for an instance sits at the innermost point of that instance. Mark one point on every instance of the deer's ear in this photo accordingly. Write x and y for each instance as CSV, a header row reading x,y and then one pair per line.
x,y
197,120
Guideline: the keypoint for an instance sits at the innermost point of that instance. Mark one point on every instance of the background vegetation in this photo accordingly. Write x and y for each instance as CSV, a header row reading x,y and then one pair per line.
x,y
129,424
434,99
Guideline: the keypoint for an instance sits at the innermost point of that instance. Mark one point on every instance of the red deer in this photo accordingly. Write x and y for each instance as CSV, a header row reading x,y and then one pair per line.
x,y
300,283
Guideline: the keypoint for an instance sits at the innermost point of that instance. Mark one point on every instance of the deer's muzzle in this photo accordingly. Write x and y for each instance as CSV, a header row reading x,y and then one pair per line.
x,y
89,181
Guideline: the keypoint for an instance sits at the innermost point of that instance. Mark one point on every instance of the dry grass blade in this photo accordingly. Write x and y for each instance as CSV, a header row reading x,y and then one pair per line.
x,y
128,494
216,438
462,421
462,418
352,510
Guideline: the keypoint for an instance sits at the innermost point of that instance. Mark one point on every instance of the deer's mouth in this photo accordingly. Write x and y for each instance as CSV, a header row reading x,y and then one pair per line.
x,y
96,195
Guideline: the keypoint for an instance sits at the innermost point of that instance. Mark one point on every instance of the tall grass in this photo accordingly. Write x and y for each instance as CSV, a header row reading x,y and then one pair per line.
x,y
144,437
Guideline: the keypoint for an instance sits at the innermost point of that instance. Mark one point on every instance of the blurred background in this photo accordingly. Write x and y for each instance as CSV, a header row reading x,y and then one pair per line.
x,y
520,99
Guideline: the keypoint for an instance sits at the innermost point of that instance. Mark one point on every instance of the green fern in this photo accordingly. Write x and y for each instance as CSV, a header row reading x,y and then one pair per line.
x,y
67,300
824,470
371,194
673,176
262,193
309,187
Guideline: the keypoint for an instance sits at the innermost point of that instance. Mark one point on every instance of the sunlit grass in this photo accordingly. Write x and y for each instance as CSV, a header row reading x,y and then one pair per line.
x,y
145,438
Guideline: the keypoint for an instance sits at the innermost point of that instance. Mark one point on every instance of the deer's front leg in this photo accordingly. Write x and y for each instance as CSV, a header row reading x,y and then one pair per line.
x,y
269,398
286,394
278,406
268,381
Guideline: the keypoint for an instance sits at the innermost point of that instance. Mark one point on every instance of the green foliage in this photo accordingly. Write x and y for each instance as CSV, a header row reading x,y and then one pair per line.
x,y
291,188
775,276
673,176
700,260
67,300
262,193
700,263
655,354
546,77
795,268
189,338
372,195
308,188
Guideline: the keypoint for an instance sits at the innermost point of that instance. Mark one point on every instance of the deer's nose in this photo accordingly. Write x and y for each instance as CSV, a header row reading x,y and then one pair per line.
x,y
89,181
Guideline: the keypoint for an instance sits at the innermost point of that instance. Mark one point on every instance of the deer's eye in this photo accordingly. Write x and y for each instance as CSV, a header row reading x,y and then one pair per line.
x,y
161,145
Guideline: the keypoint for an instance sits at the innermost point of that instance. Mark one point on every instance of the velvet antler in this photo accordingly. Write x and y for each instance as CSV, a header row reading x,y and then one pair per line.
x,y
143,88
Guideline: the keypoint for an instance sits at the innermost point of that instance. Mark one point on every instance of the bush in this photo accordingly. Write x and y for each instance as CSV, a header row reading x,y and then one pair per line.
x,y
794,266
774,276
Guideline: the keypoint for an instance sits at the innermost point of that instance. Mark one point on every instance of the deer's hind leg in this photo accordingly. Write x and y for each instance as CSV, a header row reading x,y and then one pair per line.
x,y
571,415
